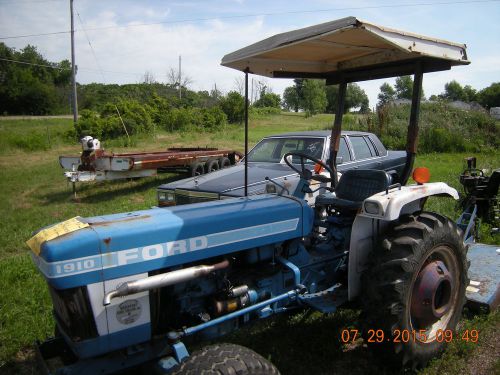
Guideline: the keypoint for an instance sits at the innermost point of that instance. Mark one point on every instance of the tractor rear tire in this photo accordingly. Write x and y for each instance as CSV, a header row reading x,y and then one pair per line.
x,y
414,289
225,359
211,165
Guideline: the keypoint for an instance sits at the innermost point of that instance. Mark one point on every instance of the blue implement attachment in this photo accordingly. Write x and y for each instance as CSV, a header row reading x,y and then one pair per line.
x,y
484,274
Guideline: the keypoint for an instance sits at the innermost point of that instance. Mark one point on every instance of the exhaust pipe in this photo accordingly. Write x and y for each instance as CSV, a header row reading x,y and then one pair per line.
x,y
162,280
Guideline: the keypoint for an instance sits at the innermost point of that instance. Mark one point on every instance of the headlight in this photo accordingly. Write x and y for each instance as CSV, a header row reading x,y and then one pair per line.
x,y
373,208
166,198
270,188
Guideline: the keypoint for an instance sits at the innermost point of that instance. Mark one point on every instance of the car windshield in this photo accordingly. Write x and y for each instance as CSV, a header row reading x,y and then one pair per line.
x,y
271,150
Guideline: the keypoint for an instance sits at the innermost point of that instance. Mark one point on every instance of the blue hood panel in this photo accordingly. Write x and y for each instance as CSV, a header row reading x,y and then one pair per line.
x,y
129,243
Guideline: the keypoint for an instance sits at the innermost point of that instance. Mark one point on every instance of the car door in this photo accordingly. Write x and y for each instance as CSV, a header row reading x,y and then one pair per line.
x,y
365,153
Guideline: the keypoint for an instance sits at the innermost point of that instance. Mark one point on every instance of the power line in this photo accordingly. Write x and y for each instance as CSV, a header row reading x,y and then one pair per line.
x,y
29,1
33,64
91,48
250,15
59,68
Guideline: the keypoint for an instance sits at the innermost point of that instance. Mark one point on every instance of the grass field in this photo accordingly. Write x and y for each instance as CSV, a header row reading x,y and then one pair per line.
x,y
33,194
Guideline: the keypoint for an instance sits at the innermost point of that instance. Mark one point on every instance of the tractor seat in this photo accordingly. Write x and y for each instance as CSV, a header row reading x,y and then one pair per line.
x,y
354,187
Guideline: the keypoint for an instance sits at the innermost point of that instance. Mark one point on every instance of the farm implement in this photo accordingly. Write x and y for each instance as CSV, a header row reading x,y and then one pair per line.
x,y
140,288
95,164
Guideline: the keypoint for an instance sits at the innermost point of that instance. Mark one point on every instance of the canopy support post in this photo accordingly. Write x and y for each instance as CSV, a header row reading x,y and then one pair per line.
x,y
336,131
412,136
246,131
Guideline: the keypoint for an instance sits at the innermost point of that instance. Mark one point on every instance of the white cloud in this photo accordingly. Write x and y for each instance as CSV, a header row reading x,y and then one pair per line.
x,y
133,50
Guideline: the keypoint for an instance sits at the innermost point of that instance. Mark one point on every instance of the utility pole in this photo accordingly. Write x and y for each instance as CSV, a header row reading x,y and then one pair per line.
x,y
180,82
73,69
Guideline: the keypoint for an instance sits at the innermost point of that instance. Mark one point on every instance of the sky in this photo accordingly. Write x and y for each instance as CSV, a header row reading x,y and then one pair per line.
x,y
130,38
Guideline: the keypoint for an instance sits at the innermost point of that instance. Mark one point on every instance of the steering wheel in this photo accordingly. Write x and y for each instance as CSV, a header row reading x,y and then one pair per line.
x,y
304,172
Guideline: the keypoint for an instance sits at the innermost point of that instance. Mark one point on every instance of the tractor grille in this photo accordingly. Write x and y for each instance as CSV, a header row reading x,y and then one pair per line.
x,y
188,196
73,313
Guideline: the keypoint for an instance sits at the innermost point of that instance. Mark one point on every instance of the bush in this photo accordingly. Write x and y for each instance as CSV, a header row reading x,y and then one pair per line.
x,y
263,111
108,124
442,128
30,142
233,105
213,118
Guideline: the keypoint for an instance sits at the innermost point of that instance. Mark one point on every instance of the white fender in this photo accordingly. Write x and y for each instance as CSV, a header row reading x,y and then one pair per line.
x,y
382,209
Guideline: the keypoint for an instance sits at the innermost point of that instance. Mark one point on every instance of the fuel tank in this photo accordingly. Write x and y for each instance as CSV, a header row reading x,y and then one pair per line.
x,y
119,245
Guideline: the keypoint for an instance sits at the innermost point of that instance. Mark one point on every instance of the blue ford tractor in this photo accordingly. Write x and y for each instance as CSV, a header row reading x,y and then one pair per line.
x,y
141,287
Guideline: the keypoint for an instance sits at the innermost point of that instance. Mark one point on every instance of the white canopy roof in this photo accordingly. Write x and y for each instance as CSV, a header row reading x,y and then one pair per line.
x,y
347,49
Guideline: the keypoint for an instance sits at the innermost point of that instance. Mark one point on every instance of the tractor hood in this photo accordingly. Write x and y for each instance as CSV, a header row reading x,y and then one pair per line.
x,y
124,244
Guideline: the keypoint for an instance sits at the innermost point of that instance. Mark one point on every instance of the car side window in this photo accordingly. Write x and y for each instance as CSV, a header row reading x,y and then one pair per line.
x,y
370,146
361,149
344,150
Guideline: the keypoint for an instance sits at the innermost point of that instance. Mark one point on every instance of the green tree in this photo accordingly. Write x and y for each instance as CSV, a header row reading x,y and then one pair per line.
x,y
470,93
34,88
490,96
268,99
291,99
454,91
355,97
404,87
314,96
387,93
233,105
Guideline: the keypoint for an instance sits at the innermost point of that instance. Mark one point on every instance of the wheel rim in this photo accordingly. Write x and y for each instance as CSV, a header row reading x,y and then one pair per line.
x,y
434,292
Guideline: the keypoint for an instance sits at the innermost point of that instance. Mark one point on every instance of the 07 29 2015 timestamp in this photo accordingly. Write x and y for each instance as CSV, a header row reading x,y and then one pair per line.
x,y
378,336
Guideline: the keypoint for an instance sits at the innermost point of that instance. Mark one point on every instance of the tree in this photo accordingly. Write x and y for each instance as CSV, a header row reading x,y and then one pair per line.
x,y
173,78
291,99
148,77
404,87
314,96
470,93
386,94
268,99
31,89
454,91
233,105
356,98
490,96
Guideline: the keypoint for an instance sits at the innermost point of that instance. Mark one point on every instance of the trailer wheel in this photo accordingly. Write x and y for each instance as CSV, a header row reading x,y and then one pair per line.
x,y
224,163
225,359
211,165
197,169
414,289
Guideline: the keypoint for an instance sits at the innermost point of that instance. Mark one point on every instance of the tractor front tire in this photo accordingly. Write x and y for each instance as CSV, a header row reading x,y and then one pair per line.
x,y
225,359
414,289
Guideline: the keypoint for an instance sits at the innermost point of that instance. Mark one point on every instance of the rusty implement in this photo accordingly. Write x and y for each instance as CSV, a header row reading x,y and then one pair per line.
x,y
95,164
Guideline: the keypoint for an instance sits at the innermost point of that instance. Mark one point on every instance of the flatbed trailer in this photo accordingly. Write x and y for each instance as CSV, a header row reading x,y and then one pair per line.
x,y
95,164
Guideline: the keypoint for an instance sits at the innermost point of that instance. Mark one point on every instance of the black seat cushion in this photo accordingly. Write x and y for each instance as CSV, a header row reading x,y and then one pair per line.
x,y
354,187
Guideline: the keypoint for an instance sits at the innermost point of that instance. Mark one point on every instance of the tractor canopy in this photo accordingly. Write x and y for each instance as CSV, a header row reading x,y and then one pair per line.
x,y
344,51
348,50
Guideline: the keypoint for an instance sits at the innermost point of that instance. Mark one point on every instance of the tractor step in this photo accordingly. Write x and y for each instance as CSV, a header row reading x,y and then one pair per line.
x,y
326,300
484,274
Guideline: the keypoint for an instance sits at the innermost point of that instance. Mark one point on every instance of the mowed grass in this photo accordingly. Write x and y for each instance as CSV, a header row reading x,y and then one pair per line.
x,y
34,193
